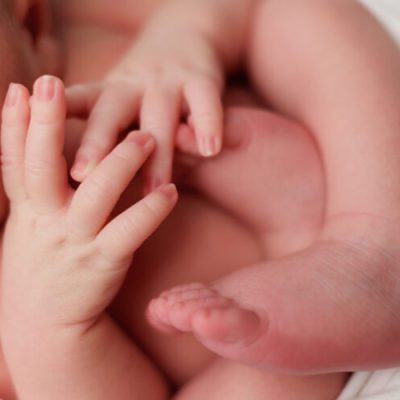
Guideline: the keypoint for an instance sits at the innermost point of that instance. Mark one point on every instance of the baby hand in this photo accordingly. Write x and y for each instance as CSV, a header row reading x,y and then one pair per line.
x,y
63,258
167,75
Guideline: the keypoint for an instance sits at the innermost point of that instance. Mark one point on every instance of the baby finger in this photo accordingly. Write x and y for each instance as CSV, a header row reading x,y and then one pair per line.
x,y
114,111
125,234
204,100
100,191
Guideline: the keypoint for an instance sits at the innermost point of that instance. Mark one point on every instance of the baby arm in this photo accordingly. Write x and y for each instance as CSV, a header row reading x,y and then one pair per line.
x,y
174,69
64,261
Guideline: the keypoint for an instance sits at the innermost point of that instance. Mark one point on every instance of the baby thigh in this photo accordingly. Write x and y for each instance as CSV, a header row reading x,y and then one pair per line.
x,y
228,380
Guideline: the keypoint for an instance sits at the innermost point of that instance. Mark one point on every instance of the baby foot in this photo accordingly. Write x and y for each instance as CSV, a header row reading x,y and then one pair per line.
x,y
330,307
200,308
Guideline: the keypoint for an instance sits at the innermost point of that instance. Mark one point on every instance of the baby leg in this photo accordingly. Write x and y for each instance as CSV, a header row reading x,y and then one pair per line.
x,y
331,306
228,380
311,311
331,66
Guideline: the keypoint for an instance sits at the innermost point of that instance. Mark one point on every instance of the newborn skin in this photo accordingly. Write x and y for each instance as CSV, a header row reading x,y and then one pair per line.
x,y
331,284
289,311
284,312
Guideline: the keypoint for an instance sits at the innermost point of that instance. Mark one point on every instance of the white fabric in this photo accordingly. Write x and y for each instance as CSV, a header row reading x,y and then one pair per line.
x,y
384,384
388,13
377,385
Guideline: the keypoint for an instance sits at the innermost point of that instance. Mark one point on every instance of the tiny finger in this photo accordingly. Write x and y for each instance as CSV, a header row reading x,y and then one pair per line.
x,y
114,111
15,121
186,140
45,167
80,99
159,116
100,191
204,100
125,234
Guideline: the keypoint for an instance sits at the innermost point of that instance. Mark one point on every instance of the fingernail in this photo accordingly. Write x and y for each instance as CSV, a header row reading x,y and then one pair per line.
x,y
210,146
12,95
80,166
140,138
168,190
44,88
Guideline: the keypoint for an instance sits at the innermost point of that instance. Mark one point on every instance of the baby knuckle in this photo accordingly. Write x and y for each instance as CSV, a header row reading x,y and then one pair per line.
x,y
140,76
137,224
161,119
123,158
131,225
9,161
158,123
95,190
96,146
47,119
10,120
102,113
126,155
207,116
117,91
111,264
206,113
151,209
37,166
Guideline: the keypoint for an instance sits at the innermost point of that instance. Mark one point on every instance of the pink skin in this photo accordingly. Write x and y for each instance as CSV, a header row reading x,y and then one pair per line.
x,y
22,60
284,313
315,308
388,320
154,85
73,250
174,69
